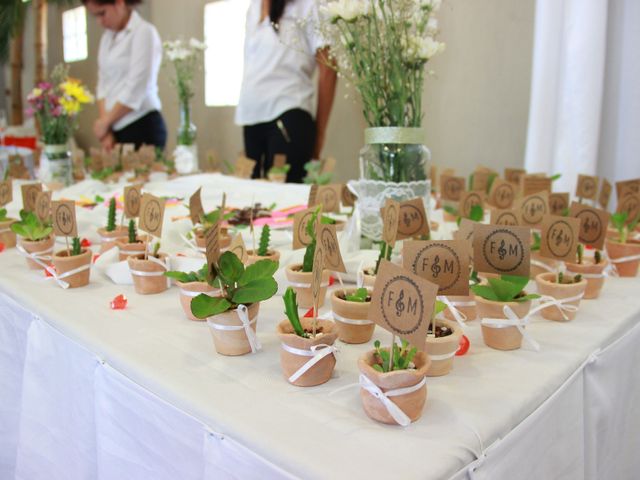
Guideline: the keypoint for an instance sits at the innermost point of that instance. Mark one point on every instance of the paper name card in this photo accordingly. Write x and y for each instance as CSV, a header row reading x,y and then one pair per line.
x,y
503,194
627,187
316,275
451,187
605,194
348,197
443,262
196,210
593,224
17,168
468,200
29,194
533,208
239,248
559,238
64,218
513,175
328,238
132,199
130,161
96,163
465,233
558,203
587,187
328,196
6,192
501,250
507,217
43,206
301,238
631,205
212,245
328,165
480,180
244,167
402,303
151,214
413,221
147,155
535,183
390,220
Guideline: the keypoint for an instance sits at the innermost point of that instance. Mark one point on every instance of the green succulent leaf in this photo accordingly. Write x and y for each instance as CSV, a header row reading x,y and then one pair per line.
x,y
291,311
476,213
260,270
3,214
360,296
485,292
530,296
204,306
504,290
230,268
439,307
256,291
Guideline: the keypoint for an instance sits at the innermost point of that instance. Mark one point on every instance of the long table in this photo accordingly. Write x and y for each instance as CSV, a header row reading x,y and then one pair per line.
x,y
88,392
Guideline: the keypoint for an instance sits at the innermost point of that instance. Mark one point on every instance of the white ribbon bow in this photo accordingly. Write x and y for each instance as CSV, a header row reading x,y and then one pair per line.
x,y
394,410
457,314
59,279
243,315
317,353
614,261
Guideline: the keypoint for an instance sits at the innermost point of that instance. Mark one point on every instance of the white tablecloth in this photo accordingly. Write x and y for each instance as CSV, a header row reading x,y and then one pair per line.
x,y
88,392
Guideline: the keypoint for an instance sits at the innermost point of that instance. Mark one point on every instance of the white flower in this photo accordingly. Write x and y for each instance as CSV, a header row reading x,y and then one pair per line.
x,y
422,49
348,10
179,54
197,44
432,5
432,26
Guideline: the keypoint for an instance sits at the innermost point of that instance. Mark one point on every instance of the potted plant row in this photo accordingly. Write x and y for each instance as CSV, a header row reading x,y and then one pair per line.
x,y
623,251
263,252
111,232
442,343
148,271
591,269
36,238
133,245
192,284
566,288
76,259
7,236
351,312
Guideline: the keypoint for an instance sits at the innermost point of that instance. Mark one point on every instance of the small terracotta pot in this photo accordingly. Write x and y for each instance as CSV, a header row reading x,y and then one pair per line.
x,y
127,249
297,277
64,263
277,177
587,267
232,342
290,362
612,233
108,239
344,313
369,280
442,350
148,284
537,270
617,250
188,291
272,255
507,338
7,237
44,249
201,241
470,311
547,286
411,404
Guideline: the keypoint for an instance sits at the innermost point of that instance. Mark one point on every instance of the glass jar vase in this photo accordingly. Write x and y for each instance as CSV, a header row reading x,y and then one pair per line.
x,y
56,165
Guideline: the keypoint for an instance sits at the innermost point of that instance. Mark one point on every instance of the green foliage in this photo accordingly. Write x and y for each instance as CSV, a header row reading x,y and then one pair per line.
x,y
476,213
537,241
156,249
359,296
102,174
451,210
580,253
30,227
490,180
133,231
385,254
314,175
3,215
597,257
402,357
208,220
473,278
239,286
307,262
263,246
507,288
76,248
619,221
111,216
325,220
555,177
201,275
438,308
568,280
291,311
280,170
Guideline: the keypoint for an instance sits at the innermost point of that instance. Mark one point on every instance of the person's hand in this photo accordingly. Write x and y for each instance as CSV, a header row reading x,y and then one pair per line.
x,y
108,142
101,128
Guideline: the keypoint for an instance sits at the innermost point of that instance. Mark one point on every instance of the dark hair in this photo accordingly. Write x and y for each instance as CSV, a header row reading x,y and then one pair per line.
x,y
276,10
112,2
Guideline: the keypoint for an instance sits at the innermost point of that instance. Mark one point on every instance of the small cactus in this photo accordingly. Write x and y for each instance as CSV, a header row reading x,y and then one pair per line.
x,y
133,234
76,247
111,216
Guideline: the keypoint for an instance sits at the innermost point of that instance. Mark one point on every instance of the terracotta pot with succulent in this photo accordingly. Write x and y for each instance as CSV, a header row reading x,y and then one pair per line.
x,y
495,301
232,316
7,236
148,272
208,221
191,285
540,264
299,275
278,174
307,356
73,266
111,232
394,396
351,313
568,290
36,239
623,252
591,269
443,344
464,304
263,252
133,245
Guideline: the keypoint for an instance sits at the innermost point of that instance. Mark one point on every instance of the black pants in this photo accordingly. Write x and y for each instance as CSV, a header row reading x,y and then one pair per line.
x,y
148,130
296,139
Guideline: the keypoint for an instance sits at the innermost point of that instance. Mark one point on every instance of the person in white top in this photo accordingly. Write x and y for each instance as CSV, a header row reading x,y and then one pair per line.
x,y
282,51
129,59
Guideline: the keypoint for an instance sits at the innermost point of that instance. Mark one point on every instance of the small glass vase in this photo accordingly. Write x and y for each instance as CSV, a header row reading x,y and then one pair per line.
x,y
186,152
187,131
56,165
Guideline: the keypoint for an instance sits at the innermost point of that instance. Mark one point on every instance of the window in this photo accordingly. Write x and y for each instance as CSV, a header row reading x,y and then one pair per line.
x,y
74,32
224,22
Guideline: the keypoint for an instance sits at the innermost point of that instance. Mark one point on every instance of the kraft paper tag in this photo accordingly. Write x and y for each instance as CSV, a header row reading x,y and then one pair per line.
x,y
451,188
279,160
328,165
196,210
513,175
132,199
631,205
239,248
535,183
605,194
390,222
17,168
503,194
627,187
533,208
413,221
130,161
244,167
64,218
467,202
558,203
502,250
508,218
480,180
151,215
313,193
329,197
96,163
587,187
301,238
6,192
443,262
593,224
402,303
213,161
348,198
465,233
29,194
78,158
328,237
43,206
147,155
559,238
316,275
212,246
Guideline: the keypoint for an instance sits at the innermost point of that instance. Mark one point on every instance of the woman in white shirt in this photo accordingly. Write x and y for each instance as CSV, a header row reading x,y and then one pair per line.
x,y
281,53
129,59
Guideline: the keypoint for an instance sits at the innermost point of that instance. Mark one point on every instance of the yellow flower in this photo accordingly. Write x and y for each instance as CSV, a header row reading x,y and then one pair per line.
x,y
73,88
36,92
70,106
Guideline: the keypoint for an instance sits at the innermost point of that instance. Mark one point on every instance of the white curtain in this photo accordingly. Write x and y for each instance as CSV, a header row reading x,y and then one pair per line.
x,y
584,98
